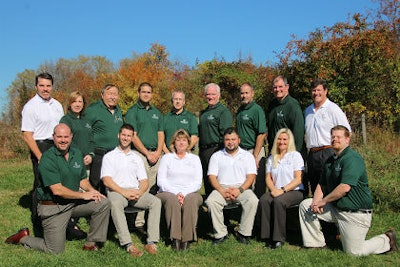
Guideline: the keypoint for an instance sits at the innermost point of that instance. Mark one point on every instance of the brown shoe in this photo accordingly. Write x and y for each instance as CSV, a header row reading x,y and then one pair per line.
x,y
392,240
151,248
90,248
134,251
15,238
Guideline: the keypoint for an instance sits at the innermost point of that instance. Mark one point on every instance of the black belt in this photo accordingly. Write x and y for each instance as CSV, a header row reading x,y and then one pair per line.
x,y
367,211
209,146
47,141
101,151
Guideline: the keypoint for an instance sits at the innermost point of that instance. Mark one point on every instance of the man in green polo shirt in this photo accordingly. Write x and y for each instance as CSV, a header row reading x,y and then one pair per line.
x,y
179,118
106,119
62,175
252,128
342,196
148,138
214,120
284,112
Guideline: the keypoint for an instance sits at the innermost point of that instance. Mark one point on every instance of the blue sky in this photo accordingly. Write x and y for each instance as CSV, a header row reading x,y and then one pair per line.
x,y
34,32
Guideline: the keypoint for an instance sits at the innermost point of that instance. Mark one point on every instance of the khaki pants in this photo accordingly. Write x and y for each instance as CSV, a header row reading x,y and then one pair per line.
x,y
353,227
55,219
146,201
216,203
151,171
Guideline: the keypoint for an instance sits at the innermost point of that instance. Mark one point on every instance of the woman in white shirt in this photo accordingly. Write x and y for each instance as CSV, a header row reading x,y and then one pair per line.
x,y
179,179
283,177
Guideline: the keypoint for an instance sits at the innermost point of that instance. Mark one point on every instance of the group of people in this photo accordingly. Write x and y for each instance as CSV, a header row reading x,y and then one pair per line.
x,y
94,162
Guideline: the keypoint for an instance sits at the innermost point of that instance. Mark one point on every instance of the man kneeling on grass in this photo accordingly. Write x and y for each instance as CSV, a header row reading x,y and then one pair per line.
x,y
124,175
62,174
342,196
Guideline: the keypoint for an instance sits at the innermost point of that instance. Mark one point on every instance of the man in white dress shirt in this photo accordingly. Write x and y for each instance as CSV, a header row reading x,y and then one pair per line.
x,y
320,117
39,117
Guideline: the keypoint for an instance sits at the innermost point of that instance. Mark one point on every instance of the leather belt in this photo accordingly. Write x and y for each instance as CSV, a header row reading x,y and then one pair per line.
x,y
47,202
320,148
48,141
359,211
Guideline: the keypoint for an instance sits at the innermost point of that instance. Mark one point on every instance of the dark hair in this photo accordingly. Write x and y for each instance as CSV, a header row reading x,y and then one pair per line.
x,y
126,126
343,128
144,84
317,82
231,130
44,75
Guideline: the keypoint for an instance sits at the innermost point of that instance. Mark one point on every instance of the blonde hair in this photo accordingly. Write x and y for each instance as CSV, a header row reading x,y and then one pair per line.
x,y
291,146
73,96
178,134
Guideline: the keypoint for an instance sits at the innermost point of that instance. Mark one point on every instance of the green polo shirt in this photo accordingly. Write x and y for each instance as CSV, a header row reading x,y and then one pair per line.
x,y
285,114
173,122
54,168
213,122
250,122
105,125
82,132
146,122
348,168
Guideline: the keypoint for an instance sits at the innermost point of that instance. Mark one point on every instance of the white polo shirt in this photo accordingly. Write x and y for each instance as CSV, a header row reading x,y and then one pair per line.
x,y
41,116
283,174
232,170
318,123
179,175
126,170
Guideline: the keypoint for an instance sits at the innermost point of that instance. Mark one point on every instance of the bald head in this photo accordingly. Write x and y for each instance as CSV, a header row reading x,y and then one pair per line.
x,y
62,137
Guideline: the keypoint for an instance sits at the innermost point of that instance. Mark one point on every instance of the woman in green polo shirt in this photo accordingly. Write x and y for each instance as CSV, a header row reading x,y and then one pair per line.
x,y
80,127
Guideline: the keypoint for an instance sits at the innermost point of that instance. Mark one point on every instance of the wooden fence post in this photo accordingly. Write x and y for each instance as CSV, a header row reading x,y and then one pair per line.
x,y
363,129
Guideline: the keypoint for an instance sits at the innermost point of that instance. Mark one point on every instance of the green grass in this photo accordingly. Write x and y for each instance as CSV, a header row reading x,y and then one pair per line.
x,y
15,183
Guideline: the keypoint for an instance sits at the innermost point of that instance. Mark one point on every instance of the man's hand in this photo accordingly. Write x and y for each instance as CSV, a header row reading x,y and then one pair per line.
x,y
131,194
93,195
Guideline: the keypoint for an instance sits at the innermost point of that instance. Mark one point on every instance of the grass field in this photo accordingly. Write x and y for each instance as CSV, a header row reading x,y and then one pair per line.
x,y
16,181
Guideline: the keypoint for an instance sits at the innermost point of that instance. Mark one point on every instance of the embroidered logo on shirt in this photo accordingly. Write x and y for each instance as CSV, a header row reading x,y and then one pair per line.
x,y
245,117
184,121
76,165
280,114
210,117
88,126
155,117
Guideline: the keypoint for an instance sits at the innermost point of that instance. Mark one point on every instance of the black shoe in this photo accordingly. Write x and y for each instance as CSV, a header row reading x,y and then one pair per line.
x,y
221,240
277,244
242,239
74,232
176,244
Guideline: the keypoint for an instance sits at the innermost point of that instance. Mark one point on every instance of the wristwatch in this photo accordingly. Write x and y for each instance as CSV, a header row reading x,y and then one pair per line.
x,y
284,189
241,189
